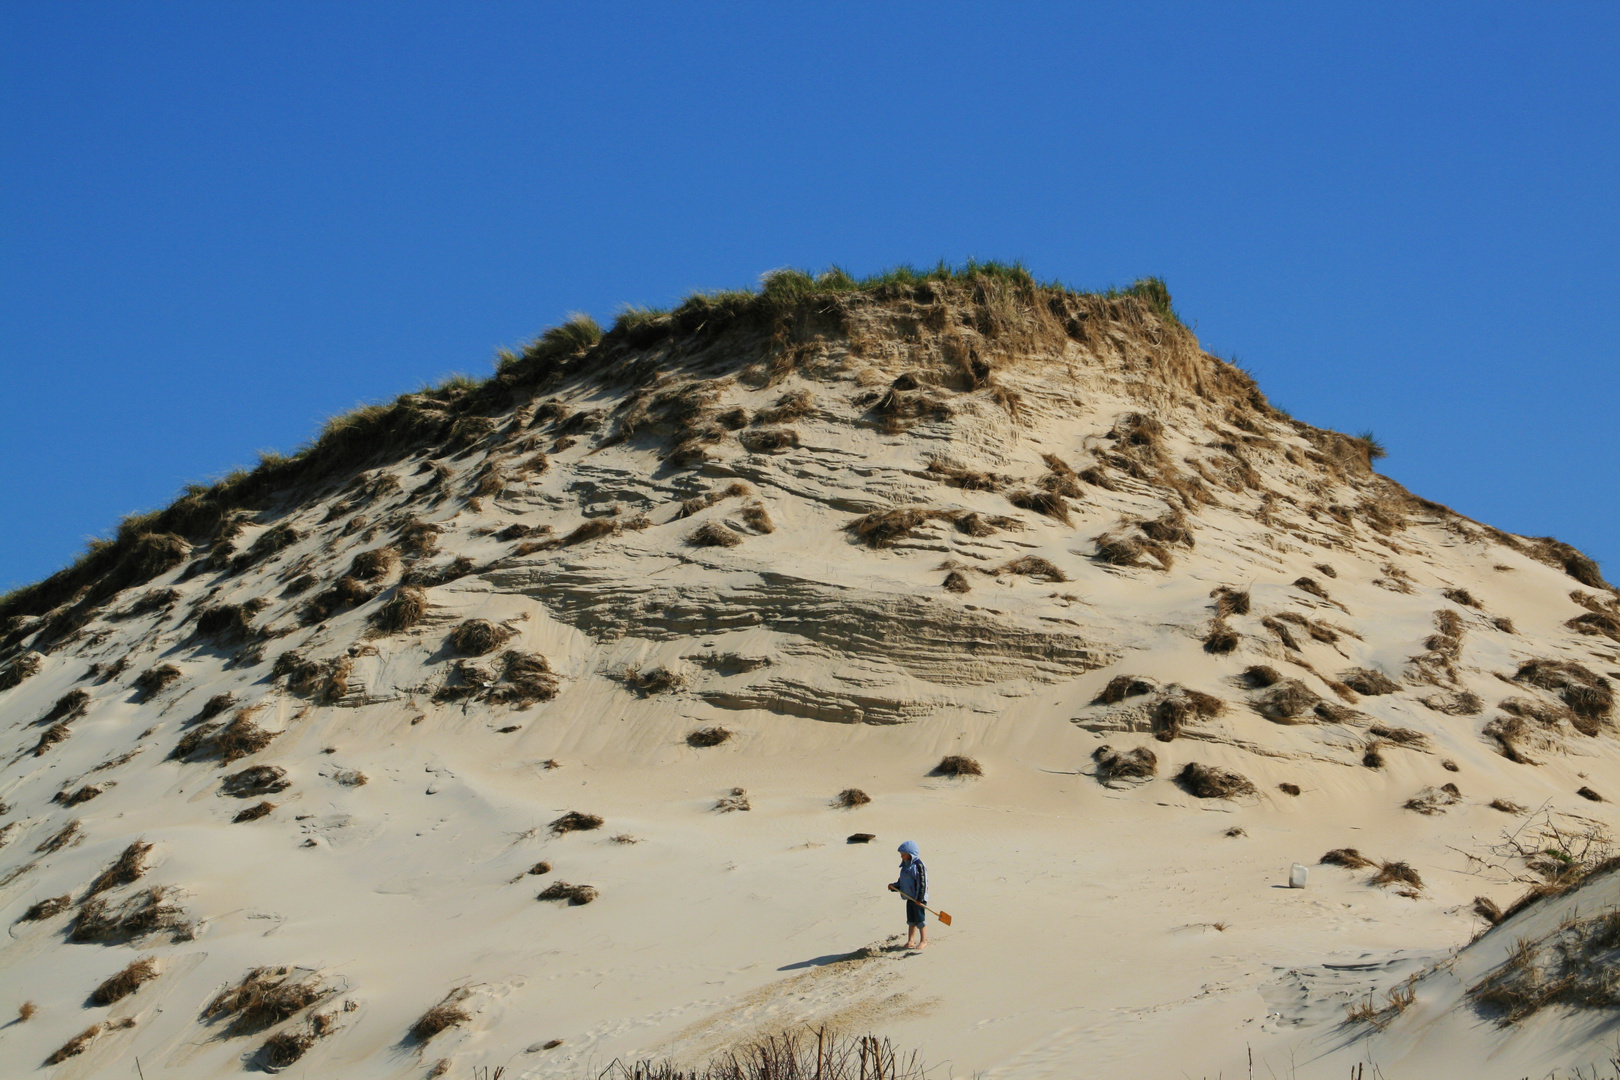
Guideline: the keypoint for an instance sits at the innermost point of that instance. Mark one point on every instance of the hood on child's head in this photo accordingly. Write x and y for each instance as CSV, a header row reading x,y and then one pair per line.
x,y
909,848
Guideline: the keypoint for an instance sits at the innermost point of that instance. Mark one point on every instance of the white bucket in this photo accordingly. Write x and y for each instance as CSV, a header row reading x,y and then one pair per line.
x,y
1297,875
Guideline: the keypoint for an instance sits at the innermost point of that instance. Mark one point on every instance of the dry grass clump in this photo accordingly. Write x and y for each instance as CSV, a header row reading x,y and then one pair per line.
x,y
47,908
1369,682
1400,736
1572,966
242,737
956,582
60,839
75,1046
850,798
1286,701
1597,623
26,1011
1349,858
477,637
1397,873
1507,806
375,564
266,996
284,1048
769,440
1221,639
883,528
1373,756
1457,703
19,669
967,479
1128,551
126,982
736,800
52,735
574,821
1588,793
124,871
574,894
1121,687
70,706
1461,596
794,405
588,530
756,517
1588,694
1213,782
1289,789
709,736
539,868
654,680
323,680
526,678
1432,800
1230,601
146,912
402,611
1306,584
345,593
255,780
957,765
254,812
713,534
1120,768
1033,566
269,542
153,680
229,622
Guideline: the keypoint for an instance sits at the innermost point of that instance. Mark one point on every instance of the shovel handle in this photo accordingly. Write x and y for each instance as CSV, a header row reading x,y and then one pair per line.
x,y
942,916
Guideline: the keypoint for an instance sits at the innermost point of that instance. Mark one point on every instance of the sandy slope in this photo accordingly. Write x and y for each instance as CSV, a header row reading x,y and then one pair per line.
x,y
1098,931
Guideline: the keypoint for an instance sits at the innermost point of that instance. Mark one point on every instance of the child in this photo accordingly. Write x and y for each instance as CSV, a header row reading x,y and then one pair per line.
x,y
913,885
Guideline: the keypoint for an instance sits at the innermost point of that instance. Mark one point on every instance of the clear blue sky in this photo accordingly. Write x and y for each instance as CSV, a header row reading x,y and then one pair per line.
x,y
221,223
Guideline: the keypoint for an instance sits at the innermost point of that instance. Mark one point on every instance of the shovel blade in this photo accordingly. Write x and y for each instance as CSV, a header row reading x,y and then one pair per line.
x,y
945,918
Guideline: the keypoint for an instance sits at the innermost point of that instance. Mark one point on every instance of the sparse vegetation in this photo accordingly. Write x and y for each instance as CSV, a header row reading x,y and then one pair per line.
x,y
1397,873
152,681
713,534
75,1046
850,798
254,812
147,912
709,736
736,799
956,765
48,908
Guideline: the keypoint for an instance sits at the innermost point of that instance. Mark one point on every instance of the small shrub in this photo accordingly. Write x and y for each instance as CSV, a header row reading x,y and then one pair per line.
x,y
476,637
1349,858
52,735
957,765
1507,806
1033,566
1433,800
1373,757
1288,789
1259,676
540,868
70,706
286,1047
850,798
375,564
1230,601
19,669
26,1012
769,440
126,982
242,737
1588,793
955,582
756,517
713,534
1369,682
1486,909
1400,736
574,821
709,736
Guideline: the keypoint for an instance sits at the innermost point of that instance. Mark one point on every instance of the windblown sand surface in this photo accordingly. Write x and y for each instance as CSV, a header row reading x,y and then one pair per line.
x,y
1123,929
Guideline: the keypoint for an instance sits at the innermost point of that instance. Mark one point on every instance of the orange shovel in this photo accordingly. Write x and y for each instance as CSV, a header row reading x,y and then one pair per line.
x,y
943,916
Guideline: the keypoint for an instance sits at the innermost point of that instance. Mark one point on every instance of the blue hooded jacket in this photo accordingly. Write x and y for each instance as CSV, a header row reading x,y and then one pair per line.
x,y
913,879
